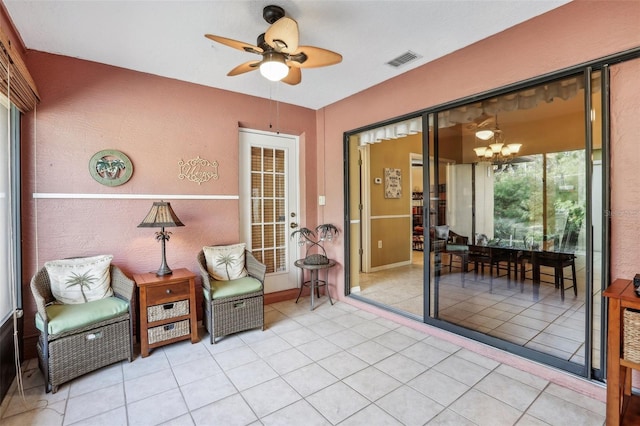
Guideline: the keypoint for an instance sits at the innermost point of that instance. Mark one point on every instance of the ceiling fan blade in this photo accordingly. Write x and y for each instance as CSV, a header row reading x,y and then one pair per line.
x,y
240,45
313,57
283,36
242,68
294,77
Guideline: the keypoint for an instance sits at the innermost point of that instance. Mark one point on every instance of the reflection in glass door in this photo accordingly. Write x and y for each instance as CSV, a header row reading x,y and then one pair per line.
x,y
509,258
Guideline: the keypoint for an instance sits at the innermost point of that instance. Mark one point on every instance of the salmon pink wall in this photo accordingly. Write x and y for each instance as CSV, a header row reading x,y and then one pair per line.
x,y
625,158
570,35
87,107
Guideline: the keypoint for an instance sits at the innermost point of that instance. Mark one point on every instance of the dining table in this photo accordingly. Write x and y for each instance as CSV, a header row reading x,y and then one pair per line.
x,y
520,256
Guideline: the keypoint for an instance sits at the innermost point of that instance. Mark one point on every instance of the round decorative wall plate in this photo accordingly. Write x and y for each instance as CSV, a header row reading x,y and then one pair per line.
x,y
110,167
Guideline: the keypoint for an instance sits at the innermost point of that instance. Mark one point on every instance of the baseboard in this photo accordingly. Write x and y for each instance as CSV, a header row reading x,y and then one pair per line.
x,y
281,296
29,345
390,266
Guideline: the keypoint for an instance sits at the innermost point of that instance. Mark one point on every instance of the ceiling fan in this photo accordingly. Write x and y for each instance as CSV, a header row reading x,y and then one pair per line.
x,y
282,57
485,129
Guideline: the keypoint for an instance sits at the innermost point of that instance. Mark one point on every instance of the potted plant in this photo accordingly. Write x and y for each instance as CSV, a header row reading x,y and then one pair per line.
x,y
314,240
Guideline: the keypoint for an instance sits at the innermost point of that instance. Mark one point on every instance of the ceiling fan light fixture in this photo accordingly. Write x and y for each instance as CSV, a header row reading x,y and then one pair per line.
x,y
485,134
273,66
514,147
480,151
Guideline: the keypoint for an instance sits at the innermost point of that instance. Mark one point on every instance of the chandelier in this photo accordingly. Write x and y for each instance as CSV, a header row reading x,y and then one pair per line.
x,y
497,150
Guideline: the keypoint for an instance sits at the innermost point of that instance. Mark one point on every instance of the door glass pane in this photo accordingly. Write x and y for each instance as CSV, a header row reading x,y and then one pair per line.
x,y
280,161
268,207
507,214
386,244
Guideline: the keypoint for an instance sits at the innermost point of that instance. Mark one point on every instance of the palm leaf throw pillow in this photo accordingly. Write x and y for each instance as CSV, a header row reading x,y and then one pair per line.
x,y
225,263
80,280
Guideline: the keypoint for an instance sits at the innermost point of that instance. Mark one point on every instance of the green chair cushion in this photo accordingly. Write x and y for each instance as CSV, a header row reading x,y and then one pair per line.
x,y
457,247
63,318
222,289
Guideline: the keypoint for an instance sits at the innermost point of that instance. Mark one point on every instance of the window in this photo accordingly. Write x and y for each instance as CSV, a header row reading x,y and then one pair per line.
x,y
9,237
8,231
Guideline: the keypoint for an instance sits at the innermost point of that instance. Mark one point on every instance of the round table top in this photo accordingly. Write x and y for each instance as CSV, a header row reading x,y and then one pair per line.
x,y
300,264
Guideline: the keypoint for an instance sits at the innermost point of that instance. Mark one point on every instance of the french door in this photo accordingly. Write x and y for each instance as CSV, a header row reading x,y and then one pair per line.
x,y
269,203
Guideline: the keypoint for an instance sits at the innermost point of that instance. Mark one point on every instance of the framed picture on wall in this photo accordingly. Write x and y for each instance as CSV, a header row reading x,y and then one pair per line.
x,y
392,183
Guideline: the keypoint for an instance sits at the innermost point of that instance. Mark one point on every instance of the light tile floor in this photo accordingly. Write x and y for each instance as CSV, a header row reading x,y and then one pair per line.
x,y
335,365
544,323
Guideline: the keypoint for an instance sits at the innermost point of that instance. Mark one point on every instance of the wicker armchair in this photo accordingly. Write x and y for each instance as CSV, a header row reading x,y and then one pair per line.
x,y
72,353
230,314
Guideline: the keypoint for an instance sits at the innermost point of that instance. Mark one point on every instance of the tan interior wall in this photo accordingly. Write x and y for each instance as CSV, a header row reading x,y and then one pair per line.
x,y
393,154
394,231
395,234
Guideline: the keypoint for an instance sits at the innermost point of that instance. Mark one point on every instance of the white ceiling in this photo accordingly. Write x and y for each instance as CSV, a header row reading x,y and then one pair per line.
x,y
166,38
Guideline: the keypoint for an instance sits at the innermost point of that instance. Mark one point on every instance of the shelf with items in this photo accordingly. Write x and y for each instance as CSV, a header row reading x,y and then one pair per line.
x,y
416,209
417,220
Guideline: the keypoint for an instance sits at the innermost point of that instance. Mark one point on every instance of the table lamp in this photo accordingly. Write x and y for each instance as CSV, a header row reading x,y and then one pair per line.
x,y
162,216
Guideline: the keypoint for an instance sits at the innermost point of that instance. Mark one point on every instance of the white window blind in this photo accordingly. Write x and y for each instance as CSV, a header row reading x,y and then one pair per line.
x,y
22,90
6,241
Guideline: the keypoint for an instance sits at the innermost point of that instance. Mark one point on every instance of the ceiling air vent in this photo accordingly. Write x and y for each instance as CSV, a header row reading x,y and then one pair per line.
x,y
403,59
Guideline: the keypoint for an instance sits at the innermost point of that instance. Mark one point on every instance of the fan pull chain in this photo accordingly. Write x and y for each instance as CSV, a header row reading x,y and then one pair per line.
x,y
270,106
271,101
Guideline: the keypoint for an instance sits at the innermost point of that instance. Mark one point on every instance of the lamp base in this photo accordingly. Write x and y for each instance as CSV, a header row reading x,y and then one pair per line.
x,y
164,270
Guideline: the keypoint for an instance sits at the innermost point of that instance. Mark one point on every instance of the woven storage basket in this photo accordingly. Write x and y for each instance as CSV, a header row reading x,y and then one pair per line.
x,y
235,314
90,350
168,310
631,337
316,259
168,331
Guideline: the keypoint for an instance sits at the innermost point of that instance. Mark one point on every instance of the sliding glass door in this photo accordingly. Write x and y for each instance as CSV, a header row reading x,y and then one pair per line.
x,y
486,235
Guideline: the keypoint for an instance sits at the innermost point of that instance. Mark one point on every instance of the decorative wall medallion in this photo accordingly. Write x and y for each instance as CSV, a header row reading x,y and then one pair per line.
x,y
198,170
110,167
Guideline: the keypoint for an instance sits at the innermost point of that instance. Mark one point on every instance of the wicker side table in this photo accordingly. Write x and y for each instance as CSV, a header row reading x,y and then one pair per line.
x,y
623,407
167,309
314,283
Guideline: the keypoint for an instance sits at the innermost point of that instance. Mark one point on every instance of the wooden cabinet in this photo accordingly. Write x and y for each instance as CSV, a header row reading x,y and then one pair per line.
x,y
167,307
623,408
